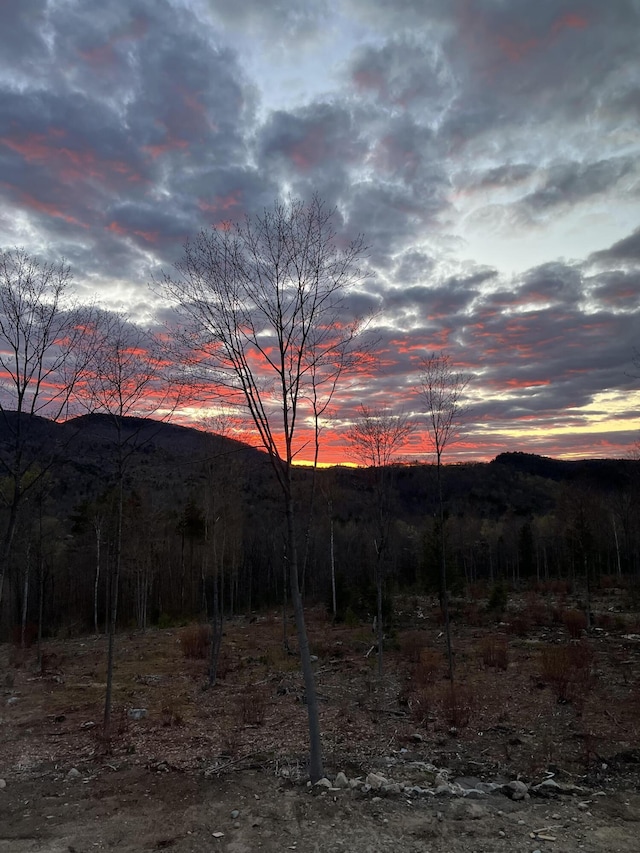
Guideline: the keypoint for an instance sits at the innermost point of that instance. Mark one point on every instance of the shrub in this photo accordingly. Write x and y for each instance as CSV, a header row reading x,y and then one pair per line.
x,y
498,598
575,621
411,644
494,651
429,663
556,670
520,624
420,703
252,705
567,670
165,621
473,615
195,641
456,703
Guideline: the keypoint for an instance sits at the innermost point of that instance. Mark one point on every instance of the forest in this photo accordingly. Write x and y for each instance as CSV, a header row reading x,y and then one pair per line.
x,y
202,519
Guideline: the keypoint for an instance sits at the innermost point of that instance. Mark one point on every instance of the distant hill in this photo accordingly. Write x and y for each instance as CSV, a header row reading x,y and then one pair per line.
x,y
170,461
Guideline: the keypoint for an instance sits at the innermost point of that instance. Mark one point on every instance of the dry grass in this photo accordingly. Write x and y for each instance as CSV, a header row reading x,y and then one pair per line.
x,y
494,651
252,705
429,665
456,703
575,621
567,670
411,645
195,641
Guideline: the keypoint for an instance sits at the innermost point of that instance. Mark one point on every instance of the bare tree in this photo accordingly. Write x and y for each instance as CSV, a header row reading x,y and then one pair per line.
x,y
41,360
375,438
442,390
124,379
263,303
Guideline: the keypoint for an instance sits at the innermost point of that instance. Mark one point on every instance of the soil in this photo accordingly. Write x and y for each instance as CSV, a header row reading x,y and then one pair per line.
x,y
224,768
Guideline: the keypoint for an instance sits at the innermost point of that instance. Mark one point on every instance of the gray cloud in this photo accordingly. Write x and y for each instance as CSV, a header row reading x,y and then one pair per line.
x,y
125,128
625,250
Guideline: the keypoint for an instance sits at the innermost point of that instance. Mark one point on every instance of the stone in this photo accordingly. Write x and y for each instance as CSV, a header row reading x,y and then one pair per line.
x,y
137,713
463,810
376,781
467,781
340,781
323,783
234,814
516,789
3,784
74,773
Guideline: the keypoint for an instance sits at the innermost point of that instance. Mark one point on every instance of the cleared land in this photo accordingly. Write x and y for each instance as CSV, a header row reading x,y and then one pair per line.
x,y
536,697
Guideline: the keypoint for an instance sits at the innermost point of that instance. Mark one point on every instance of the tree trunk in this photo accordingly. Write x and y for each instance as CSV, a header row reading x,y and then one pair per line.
x,y
96,580
333,572
443,573
379,626
316,771
8,539
114,601
25,598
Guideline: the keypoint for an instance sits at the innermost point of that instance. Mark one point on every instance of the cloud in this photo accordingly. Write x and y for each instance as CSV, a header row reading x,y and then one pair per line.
x,y
625,250
463,139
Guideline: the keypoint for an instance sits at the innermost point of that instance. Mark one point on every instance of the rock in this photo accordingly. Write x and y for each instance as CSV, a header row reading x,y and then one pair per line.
x,y
234,814
550,788
74,773
3,784
462,810
12,700
516,789
341,781
323,783
376,781
467,781
137,713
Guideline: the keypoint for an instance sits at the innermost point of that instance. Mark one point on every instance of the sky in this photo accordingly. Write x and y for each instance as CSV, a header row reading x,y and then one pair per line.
x,y
488,150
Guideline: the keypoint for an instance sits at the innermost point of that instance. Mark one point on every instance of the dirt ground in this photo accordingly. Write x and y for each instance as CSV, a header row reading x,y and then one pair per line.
x,y
224,768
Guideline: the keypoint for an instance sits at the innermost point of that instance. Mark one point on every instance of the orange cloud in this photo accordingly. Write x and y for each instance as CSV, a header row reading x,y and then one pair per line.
x,y
70,164
45,207
155,151
147,236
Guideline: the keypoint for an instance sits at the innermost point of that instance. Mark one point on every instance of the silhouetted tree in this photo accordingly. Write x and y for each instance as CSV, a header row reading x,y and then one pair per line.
x,y
442,389
41,359
263,306
124,379
375,438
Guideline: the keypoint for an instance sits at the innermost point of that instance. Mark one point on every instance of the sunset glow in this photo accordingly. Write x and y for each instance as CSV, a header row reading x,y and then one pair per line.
x,y
488,152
